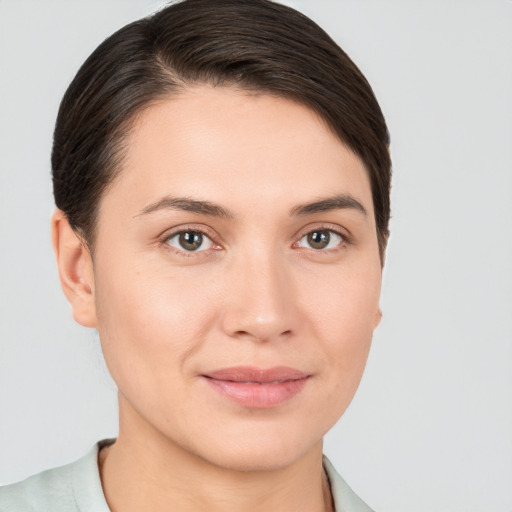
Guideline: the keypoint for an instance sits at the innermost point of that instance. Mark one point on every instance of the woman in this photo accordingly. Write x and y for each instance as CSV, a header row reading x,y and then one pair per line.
x,y
221,175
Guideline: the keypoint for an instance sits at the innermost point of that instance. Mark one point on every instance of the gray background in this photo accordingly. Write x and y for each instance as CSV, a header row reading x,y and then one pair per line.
x,y
430,428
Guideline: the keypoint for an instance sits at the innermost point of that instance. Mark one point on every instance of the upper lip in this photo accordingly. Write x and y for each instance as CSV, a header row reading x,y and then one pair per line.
x,y
258,375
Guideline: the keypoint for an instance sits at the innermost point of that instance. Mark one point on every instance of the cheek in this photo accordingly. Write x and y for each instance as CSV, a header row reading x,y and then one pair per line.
x,y
344,315
151,320
344,301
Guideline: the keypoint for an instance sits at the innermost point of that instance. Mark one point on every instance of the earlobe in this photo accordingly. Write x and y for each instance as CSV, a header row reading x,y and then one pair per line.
x,y
378,318
75,267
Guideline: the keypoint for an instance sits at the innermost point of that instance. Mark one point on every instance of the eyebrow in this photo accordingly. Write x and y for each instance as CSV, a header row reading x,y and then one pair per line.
x,y
338,202
188,205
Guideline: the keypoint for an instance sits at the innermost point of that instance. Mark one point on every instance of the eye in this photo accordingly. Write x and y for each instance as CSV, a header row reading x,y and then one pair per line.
x,y
190,241
321,239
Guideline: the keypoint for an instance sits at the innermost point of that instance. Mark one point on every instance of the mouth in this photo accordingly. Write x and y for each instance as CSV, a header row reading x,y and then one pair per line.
x,y
257,388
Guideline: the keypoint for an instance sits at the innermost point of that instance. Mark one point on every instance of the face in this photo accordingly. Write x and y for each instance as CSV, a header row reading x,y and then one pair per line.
x,y
236,277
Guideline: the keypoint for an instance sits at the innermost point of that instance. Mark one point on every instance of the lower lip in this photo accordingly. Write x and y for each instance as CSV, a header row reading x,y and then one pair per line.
x,y
256,395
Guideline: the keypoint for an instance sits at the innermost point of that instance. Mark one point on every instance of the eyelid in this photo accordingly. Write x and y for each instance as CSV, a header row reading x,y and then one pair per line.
x,y
196,228
199,228
324,226
335,228
214,237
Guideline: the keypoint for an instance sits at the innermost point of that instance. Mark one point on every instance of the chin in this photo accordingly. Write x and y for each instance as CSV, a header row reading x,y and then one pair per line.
x,y
249,461
261,452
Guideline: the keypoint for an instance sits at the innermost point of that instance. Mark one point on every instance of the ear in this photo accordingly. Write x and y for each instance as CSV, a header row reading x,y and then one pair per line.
x,y
75,267
378,318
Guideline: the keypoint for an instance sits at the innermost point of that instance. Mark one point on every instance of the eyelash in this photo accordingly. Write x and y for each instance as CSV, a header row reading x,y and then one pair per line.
x,y
344,240
183,252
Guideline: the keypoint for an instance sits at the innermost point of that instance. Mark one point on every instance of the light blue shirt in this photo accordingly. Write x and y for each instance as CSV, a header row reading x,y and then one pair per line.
x,y
76,487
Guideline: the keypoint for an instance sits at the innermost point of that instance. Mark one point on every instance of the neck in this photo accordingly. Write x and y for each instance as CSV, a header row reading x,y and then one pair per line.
x,y
150,472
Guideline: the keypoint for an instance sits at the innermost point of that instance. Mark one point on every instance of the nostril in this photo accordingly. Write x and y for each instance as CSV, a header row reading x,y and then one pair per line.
x,y
261,336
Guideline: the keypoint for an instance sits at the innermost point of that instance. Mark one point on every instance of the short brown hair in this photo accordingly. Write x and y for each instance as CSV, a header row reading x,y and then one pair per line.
x,y
251,44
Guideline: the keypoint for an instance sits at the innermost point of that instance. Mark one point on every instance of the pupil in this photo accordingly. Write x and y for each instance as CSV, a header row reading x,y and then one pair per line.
x,y
191,240
319,239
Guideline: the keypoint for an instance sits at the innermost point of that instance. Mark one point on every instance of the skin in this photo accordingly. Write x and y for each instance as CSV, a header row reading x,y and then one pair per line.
x,y
258,294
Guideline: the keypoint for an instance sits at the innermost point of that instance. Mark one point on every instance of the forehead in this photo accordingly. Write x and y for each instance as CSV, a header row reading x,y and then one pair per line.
x,y
227,144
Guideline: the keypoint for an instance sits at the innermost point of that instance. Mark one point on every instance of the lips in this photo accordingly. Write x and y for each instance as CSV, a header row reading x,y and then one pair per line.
x,y
257,388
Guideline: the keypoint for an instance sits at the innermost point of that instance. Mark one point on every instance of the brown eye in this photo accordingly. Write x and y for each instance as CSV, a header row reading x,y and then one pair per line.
x,y
321,239
190,241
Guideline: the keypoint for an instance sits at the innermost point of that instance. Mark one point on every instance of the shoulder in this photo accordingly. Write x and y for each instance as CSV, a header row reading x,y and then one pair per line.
x,y
345,499
75,487
41,492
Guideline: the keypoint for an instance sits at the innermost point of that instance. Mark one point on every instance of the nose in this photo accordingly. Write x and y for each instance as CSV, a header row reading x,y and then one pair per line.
x,y
260,299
